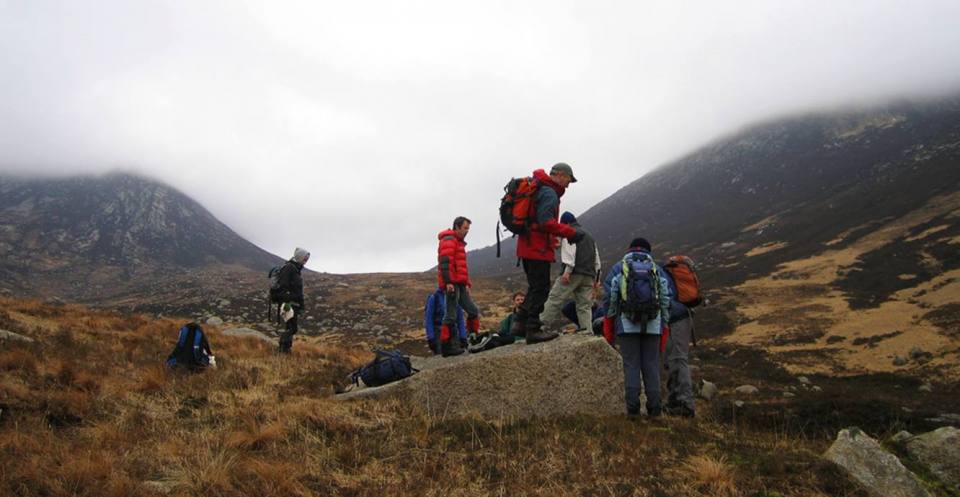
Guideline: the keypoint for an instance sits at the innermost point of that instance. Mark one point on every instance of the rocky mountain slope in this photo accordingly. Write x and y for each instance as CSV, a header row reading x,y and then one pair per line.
x,y
98,238
830,239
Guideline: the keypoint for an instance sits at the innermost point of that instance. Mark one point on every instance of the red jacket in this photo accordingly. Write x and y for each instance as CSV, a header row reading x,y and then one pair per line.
x,y
540,242
452,259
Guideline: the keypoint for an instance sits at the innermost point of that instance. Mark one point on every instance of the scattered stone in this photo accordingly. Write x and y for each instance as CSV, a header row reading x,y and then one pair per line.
x,y
384,340
789,395
163,487
214,321
574,374
224,303
739,403
56,301
926,387
901,436
879,472
946,419
14,337
939,451
746,389
381,299
906,410
920,356
900,361
804,380
815,388
248,332
708,390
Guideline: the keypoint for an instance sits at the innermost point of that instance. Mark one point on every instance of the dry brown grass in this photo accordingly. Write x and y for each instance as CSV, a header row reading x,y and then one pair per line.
x,y
89,410
710,475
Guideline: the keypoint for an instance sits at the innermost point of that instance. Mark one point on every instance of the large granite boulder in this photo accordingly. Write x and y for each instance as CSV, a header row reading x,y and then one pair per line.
x,y
879,472
939,451
248,332
574,374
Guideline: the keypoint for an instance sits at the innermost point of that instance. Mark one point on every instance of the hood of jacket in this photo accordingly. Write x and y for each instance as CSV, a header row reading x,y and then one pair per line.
x,y
450,232
545,179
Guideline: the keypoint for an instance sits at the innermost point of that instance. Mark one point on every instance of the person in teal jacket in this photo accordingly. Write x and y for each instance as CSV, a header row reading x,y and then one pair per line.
x,y
639,342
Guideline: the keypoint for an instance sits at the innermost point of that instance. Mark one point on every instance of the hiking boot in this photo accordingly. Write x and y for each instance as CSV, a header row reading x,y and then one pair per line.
x,y
451,347
537,336
679,410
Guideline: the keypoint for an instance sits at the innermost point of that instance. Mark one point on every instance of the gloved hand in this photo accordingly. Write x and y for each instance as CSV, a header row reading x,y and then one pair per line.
x,y
664,337
608,329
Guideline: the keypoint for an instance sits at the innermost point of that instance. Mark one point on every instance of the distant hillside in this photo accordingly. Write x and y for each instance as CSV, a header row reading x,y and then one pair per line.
x,y
89,238
791,186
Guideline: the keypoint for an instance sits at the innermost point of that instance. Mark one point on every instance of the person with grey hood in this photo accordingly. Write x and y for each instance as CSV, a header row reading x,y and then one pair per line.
x,y
291,296
578,281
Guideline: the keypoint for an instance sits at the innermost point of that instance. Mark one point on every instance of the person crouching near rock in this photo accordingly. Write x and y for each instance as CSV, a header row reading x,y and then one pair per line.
x,y
290,283
433,313
454,277
637,301
517,300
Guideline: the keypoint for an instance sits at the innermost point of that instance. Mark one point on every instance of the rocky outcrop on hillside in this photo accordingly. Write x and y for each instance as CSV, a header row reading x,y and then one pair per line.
x,y
880,473
939,451
574,374
785,189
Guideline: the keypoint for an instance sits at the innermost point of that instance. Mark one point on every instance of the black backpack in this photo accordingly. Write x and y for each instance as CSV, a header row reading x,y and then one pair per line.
x,y
386,367
189,350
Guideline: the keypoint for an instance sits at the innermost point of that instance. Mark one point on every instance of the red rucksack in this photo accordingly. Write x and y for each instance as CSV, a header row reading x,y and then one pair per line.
x,y
516,206
684,273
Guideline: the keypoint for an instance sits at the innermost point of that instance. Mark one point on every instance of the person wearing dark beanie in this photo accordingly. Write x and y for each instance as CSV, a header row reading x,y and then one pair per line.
x,y
641,243
637,300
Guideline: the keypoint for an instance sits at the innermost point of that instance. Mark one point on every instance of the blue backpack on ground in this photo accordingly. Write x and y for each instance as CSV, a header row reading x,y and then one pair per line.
x,y
192,349
639,289
386,367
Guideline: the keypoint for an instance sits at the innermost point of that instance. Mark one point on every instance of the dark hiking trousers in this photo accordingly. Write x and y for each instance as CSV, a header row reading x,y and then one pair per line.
x,y
679,385
538,288
459,297
286,338
641,360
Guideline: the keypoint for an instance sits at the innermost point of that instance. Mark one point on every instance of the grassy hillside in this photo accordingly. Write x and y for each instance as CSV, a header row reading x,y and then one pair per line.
x,y
87,409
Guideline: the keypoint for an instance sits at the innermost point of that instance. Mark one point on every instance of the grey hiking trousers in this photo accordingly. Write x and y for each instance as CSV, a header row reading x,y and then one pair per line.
x,y
679,385
580,289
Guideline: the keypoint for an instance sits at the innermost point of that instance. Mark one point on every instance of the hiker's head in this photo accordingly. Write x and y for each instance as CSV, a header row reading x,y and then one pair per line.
x,y
568,218
301,256
562,174
461,225
518,298
640,243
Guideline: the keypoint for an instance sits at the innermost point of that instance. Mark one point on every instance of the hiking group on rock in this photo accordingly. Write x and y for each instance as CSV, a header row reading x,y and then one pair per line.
x,y
644,310
641,300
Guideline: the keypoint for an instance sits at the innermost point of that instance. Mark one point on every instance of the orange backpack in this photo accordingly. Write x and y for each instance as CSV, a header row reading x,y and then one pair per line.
x,y
684,273
516,206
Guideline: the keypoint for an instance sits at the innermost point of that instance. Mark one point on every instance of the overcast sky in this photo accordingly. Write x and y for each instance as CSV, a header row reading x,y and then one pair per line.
x,y
359,130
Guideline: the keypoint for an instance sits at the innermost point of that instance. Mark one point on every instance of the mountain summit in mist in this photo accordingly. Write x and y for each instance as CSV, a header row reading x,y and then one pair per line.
x,y
791,185
90,237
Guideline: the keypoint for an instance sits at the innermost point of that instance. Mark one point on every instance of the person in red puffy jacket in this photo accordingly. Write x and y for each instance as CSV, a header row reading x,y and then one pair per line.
x,y
454,278
536,249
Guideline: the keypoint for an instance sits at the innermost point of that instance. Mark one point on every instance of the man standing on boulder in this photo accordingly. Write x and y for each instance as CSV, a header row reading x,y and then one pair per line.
x,y
535,248
579,280
454,277
290,283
